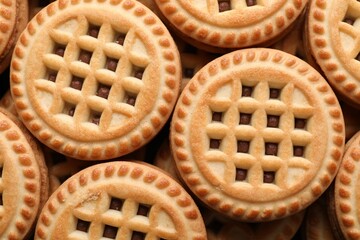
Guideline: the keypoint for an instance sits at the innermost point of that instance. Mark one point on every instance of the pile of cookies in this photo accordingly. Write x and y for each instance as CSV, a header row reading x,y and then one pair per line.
x,y
179,119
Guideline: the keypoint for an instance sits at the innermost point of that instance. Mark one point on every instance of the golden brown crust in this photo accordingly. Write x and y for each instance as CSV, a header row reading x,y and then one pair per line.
x,y
39,156
88,195
44,106
20,182
10,33
7,22
242,26
211,173
335,45
346,192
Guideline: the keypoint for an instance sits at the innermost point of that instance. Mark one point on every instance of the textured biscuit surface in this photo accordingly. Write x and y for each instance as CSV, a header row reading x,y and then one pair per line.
x,y
7,23
104,84
232,23
346,194
20,179
120,200
333,30
257,134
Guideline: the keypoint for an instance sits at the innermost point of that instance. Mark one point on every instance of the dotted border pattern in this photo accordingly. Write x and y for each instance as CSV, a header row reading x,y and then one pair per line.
x,y
28,208
235,208
7,24
345,191
232,37
140,173
321,48
114,147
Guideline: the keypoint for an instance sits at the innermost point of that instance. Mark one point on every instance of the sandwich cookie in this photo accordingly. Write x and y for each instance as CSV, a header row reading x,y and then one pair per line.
x,y
221,25
257,134
22,181
120,200
14,16
334,39
106,79
344,200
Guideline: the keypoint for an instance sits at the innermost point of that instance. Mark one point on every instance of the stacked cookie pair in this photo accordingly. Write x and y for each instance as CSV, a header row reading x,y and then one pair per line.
x,y
256,134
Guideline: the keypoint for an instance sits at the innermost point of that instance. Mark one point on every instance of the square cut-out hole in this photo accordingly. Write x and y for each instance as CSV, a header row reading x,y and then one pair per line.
x,y
103,91
268,177
349,20
188,72
274,93
245,118
273,121
120,38
110,231
217,116
137,235
82,225
77,83
69,109
241,174
246,91
251,3
85,56
215,143
130,98
116,204
243,146
93,31
300,123
59,50
1,199
51,75
138,72
143,210
95,117
298,151
1,171
224,5
271,148
111,64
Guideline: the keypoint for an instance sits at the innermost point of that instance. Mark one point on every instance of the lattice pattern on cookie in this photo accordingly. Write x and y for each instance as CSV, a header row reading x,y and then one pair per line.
x,y
350,30
119,217
265,143
226,5
70,78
